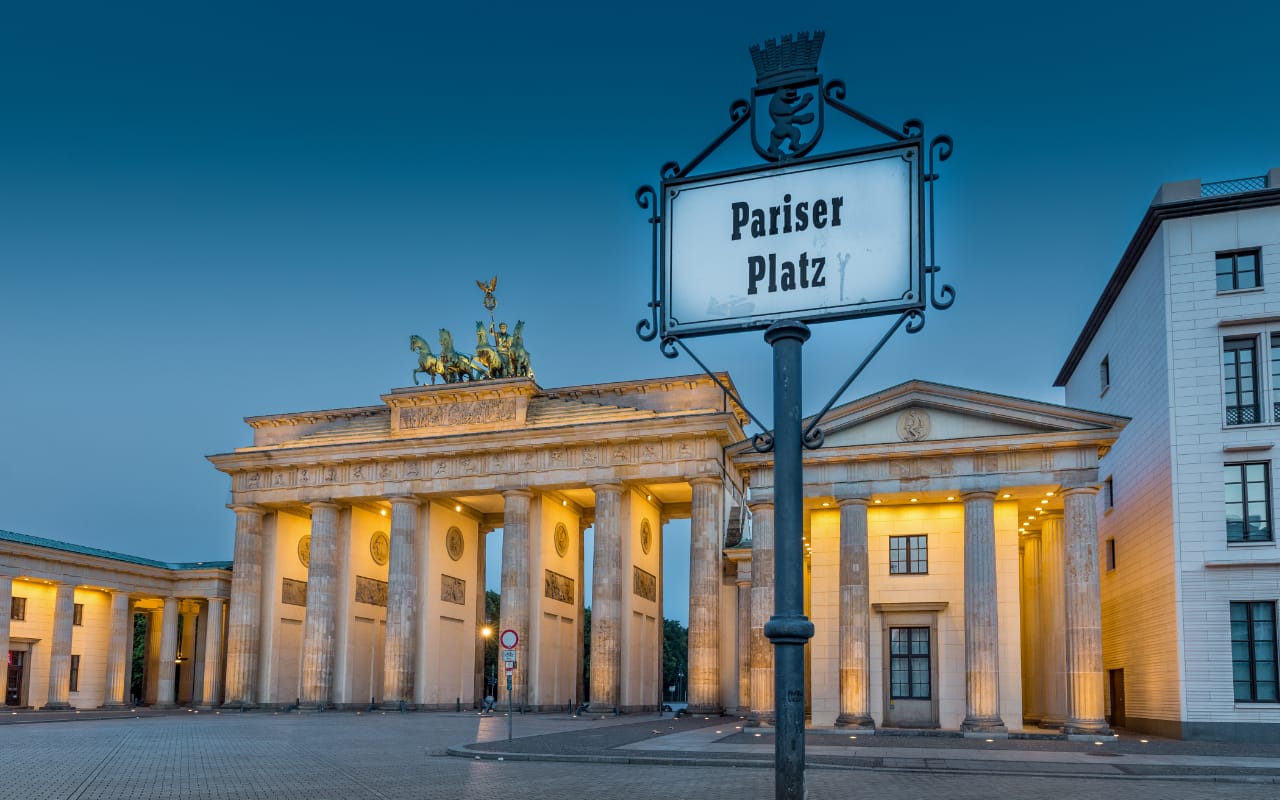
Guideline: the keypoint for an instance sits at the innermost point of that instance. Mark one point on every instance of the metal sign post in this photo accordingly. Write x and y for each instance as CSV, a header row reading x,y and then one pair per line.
x,y
510,716
803,238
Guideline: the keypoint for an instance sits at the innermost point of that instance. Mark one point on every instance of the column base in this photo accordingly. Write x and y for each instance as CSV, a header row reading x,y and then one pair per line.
x,y
761,719
164,706
114,706
856,721
56,707
1050,721
238,705
984,725
1087,728
397,705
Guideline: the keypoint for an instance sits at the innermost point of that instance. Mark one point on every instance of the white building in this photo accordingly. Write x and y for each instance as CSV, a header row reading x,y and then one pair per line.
x,y
1180,342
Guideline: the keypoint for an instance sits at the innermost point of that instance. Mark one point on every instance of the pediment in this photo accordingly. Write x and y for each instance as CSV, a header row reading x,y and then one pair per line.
x,y
924,412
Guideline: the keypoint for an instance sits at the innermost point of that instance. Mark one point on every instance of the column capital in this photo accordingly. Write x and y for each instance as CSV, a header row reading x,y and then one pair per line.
x,y
705,479
607,486
525,493
404,499
1090,490
314,504
762,502
975,494
853,501
247,508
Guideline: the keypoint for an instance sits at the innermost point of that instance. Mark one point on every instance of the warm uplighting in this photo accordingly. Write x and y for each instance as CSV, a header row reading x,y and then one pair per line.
x,y
1044,502
564,503
382,511
825,504
951,497
877,502
457,507
915,500
1006,495
1048,494
648,497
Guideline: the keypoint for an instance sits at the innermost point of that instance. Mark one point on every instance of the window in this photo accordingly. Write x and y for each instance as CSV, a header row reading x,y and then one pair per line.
x,y
1253,652
1111,554
908,555
909,663
77,614
1239,270
1275,376
1248,502
1240,378
1108,494
1104,374
18,610
75,673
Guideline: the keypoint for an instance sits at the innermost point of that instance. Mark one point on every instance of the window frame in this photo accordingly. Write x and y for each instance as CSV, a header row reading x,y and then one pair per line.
x,y
1111,554
1108,493
913,661
1251,643
1104,374
1235,272
73,679
77,614
1245,501
1232,373
913,544
18,608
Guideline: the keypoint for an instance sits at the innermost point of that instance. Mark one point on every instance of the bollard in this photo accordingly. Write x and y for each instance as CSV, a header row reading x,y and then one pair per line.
x,y
373,704
402,708
458,703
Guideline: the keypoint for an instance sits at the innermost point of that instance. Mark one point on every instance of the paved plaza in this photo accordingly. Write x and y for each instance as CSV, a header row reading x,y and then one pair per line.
x,y
458,756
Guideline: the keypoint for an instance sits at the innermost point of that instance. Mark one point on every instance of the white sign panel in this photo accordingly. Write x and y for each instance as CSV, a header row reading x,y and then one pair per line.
x,y
830,238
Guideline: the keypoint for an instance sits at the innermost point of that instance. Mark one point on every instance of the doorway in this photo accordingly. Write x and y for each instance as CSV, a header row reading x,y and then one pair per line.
x,y
1115,683
15,689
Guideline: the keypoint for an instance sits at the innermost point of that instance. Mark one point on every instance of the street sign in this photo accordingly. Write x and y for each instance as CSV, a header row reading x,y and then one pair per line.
x,y
509,639
509,656
829,238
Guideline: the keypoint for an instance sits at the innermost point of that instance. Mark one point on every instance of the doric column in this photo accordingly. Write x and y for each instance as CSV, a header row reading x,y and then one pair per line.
x,y
60,653
606,601
119,651
744,637
581,602
762,709
515,587
981,617
402,599
166,691
322,579
705,550
482,613
6,608
1053,646
211,686
855,617
243,614
1032,693
1083,613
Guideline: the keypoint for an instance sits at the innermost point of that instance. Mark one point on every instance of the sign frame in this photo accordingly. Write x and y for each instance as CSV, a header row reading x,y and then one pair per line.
x,y
915,298
508,639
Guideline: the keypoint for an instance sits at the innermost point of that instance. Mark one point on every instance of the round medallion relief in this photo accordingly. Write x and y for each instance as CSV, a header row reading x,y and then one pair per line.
x,y
913,425
454,543
304,550
646,536
561,539
379,548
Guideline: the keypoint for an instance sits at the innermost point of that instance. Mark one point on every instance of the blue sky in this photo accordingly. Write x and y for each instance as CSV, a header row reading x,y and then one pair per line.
x,y
215,210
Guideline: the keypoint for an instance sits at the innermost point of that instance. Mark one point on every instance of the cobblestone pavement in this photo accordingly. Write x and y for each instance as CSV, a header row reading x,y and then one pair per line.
x,y
317,756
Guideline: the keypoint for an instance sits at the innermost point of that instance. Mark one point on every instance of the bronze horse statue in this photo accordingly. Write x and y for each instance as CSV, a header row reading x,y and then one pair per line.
x,y
495,361
520,359
458,366
428,362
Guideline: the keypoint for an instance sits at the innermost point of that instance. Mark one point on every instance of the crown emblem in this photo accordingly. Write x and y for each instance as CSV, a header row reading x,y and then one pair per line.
x,y
779,63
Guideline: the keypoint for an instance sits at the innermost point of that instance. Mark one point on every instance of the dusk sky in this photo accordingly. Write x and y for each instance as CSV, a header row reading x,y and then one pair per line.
x,y
217,210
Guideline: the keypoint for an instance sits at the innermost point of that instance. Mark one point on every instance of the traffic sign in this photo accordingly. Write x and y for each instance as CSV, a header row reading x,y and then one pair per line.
x,y
509,656
509,639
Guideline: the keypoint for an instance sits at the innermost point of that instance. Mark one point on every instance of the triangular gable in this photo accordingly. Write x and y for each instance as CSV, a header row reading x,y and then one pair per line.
x,y
919,411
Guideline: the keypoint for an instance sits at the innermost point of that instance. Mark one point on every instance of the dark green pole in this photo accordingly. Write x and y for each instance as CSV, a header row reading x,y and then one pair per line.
x,y
788,628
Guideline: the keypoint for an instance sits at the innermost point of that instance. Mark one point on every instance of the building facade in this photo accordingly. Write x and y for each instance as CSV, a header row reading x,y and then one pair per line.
x,y
1186,340
71,616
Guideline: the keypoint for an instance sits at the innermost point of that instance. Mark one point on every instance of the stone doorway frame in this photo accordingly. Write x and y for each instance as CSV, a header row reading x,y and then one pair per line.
x,y
910,615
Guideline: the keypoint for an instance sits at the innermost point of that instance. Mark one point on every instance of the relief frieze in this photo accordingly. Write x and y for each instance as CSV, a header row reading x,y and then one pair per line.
x,y
293,593
472,412
557,587
644,584
371,591
453,590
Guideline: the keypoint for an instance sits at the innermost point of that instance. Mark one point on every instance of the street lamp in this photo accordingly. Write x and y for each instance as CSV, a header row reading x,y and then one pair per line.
x,y
680,684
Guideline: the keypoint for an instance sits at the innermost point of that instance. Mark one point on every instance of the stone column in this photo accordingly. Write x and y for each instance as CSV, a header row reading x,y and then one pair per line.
x,y
581,602
855,617
243,617
981,616
119,651
762,708
1032,679
402,600
606,601
1083,613
744,637
211,687
482,614
515,588
6,608
1053,646
322,578
706,546
166,691
60,653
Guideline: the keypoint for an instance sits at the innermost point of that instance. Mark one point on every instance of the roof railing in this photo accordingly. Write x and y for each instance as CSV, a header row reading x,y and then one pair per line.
x,y
1234,186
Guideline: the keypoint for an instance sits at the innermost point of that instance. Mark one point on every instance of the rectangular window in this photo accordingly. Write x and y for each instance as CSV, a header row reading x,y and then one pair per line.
x,y
908,555
1253,652
1108,494
1240,378
77,614
1104,373
1239,270
1111,554
75,673
1248,502
18,610
1275,376
909,663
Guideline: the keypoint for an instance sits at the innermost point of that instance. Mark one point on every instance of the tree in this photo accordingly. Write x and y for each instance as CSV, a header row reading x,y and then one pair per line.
x,y
492,617
675,654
